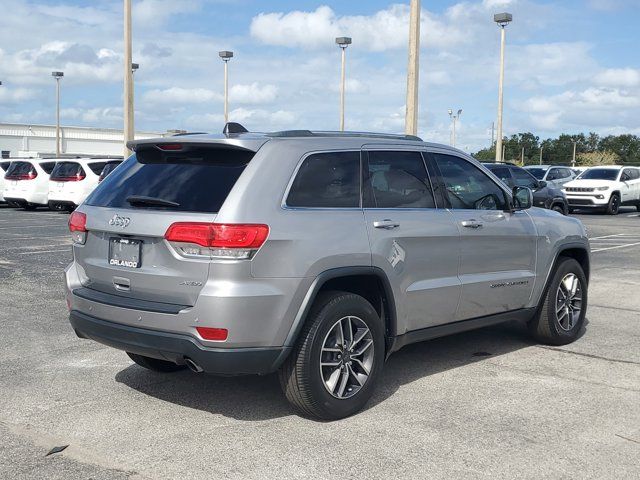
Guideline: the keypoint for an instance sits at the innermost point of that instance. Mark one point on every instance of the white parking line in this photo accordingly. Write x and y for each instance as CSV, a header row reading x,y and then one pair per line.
x,y
617,246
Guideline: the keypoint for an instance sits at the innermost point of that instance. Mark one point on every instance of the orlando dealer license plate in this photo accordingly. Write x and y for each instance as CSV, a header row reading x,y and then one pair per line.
x,y
125,252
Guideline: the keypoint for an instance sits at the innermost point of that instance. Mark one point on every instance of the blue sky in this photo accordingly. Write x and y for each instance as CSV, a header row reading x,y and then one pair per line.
x,y
572,66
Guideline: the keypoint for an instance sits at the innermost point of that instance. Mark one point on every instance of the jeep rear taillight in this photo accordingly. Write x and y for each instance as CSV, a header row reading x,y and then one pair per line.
x,y
78,227
22,176
217,240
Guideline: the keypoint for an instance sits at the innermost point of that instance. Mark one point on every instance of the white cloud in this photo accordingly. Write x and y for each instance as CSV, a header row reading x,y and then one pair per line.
x,y
253,93
619,77
384,30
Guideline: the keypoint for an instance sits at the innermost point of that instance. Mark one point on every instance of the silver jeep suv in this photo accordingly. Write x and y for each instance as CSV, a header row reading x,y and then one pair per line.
x,y
315,255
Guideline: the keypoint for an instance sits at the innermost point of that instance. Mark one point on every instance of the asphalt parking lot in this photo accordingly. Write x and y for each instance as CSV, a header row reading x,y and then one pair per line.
x,y
484,404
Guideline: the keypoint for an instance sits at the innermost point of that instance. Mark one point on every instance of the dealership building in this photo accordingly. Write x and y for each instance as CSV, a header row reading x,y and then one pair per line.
x,y
29,140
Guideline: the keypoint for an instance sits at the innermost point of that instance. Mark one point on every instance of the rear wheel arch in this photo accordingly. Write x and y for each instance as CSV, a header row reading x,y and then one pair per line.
x,y
371,283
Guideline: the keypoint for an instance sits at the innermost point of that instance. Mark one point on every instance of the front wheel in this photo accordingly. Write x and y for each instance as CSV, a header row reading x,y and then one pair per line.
x,y
561,316
336,364
559,208
614,204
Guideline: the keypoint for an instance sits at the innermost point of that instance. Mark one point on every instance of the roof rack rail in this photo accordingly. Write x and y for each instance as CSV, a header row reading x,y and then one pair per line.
x,y
310,133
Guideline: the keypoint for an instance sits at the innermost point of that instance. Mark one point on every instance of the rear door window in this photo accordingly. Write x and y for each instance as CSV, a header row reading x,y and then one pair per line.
x,y
327,180
397,180
524,178
48,167
197,179
96,167
503,174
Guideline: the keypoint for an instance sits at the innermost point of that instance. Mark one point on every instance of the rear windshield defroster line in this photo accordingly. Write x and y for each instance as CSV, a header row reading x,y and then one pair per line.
x,y
197,179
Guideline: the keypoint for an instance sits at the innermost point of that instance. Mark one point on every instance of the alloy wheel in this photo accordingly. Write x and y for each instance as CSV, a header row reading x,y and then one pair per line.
x,y
346,357
568,301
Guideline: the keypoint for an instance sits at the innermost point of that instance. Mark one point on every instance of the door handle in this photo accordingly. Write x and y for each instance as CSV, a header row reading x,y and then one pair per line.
x,y
386,224
471,224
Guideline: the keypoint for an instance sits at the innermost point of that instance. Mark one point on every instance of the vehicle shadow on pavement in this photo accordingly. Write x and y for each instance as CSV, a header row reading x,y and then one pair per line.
x,y
257,398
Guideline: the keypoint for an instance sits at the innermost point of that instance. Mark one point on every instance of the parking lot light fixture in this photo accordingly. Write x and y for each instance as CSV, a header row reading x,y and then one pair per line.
x,y
454,119
502,19
135,67
57,76
226,55
343,43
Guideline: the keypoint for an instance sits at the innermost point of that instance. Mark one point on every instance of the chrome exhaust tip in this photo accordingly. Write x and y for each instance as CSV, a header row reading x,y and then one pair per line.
x,y
193,366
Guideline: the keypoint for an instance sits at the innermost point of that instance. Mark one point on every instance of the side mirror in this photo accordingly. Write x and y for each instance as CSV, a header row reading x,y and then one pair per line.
x,y
542,184
522,198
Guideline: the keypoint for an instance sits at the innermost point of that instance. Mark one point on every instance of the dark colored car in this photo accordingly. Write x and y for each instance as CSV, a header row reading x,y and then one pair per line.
x,y
544,195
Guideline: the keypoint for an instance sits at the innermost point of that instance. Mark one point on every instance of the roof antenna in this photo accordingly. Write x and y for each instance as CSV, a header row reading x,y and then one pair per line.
x,y
233,127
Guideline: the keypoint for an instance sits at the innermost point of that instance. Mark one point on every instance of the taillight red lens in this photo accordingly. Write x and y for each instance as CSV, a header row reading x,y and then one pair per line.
x,y
78,222
217,334
170,146
22,176
72,178
218,235
190,232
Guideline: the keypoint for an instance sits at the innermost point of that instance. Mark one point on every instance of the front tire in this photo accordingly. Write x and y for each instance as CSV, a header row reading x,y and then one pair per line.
x,y
559,208
613,206
336,364
155,364
561,316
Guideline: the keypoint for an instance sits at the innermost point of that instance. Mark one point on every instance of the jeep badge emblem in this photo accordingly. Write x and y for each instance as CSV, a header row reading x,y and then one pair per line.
x,y
118,221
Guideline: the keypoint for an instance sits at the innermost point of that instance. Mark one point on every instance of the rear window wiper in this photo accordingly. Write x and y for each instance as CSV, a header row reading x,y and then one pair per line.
x,y
141,201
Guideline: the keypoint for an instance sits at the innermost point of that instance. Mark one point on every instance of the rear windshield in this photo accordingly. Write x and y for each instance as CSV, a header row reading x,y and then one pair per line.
x,y
537,172
19,168
64,170
198,180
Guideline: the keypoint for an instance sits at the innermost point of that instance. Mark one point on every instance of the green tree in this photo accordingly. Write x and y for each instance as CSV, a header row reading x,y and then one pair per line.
x,y
627,147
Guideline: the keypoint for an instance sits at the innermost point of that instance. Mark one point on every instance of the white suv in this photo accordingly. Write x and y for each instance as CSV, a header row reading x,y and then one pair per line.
x,y
606,188
72,181
4,166
26,183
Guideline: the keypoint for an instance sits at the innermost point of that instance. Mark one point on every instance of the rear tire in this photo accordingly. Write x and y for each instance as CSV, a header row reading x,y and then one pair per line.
x,y
561,316
30,207
155,364
325,377
559,208
614,204
571,210
638,207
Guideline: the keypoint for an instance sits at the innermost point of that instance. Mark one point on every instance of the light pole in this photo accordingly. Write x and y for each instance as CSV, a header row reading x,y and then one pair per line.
x,y
128,80
454,119
343,43
57,76
411,115
502,19
226,55
573,159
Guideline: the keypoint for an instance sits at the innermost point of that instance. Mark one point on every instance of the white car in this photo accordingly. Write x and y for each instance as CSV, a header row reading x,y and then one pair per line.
x,y
4,166
73,180
26,183
555,176
606,188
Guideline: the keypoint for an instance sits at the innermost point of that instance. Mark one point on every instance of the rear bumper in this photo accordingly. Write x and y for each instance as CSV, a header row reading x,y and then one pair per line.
x,y
176,347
